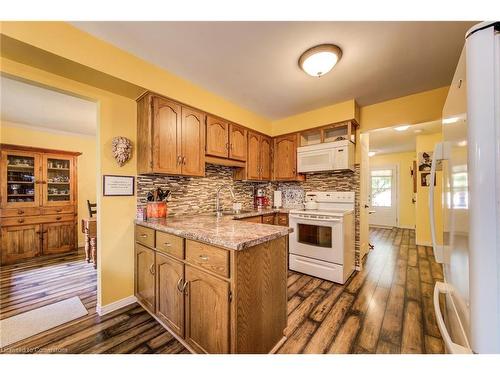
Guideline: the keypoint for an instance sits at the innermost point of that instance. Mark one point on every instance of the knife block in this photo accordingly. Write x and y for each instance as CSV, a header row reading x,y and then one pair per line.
x,y
156,210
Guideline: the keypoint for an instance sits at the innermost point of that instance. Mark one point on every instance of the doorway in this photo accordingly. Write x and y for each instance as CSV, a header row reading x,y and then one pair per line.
x,y
383,199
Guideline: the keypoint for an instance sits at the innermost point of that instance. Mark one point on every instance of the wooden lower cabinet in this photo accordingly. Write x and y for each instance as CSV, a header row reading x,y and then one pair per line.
x,y
207,312
58,237
145,276
20,243
169,294
241,309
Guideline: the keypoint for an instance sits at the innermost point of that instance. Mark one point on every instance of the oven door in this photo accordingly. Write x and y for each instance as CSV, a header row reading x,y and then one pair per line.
x,y
317,238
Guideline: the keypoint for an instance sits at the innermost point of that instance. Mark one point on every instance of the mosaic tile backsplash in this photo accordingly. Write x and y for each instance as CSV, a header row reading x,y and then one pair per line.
x,y
192,195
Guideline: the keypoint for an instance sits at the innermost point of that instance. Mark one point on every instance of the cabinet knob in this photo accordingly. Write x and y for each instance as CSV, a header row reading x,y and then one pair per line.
x,y
20,212
59,210
20,221
58,218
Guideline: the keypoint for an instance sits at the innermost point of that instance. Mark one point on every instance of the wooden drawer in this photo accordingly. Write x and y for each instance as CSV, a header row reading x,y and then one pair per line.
x,y
20,212
144,235
268,219
253,219
282,219
170,244
58,210
37,219
209,257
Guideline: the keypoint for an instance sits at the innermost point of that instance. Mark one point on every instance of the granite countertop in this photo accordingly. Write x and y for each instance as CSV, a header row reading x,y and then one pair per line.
x,y
266,211
223,232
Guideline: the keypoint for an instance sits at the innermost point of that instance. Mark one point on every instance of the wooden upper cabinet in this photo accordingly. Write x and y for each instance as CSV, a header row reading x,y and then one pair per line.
x,y
237,142
169,295
285,157
145,276
217,137
193,142
58,175
207,312
21,179
265,158
166,135
254,156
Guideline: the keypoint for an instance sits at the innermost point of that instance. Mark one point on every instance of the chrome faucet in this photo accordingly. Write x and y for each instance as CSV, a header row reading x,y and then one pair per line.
x,y
218,208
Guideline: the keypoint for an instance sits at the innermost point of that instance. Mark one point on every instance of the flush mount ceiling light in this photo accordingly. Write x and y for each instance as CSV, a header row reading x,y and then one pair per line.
x,y
401,128
319,60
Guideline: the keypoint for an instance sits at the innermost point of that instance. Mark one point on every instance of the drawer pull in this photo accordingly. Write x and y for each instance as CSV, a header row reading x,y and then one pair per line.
x,y
204,257
20,221
151,269
167,244
58,218
20,212
144,235
59,210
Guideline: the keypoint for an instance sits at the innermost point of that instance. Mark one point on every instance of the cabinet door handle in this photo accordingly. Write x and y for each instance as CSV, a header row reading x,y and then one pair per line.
x,y
144,235
179,287
226,146
20,221
151,269
184,287
167,244
204,257
184,160
179,159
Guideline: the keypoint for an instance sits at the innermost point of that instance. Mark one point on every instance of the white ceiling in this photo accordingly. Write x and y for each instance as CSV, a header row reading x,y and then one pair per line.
x,y
42,108
254,64
388,140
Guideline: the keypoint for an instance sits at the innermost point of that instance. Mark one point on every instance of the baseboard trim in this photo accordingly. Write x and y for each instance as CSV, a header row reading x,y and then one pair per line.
x,y
424,244
406,226
106,309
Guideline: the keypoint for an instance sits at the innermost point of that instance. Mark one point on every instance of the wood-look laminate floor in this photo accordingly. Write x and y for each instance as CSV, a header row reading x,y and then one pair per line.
x,y
385,308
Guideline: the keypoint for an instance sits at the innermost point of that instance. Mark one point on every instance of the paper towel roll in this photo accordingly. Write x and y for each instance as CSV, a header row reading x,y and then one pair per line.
x,y
277,198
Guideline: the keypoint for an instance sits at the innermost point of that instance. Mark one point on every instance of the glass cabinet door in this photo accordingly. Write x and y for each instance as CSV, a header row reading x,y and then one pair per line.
x,y
20,179
57,180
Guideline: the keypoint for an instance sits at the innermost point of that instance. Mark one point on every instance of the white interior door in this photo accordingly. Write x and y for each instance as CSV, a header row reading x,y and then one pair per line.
x,y
383,196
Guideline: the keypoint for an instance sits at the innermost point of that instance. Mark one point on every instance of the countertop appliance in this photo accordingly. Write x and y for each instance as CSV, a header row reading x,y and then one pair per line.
x,y
470,158
328,156
260,199
322,242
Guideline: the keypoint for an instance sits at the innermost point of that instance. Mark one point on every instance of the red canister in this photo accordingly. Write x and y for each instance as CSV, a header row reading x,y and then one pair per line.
x,y
156,210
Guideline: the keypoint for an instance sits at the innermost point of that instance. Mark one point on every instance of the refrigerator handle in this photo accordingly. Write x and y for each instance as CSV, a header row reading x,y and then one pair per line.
x,y
438,249
451,346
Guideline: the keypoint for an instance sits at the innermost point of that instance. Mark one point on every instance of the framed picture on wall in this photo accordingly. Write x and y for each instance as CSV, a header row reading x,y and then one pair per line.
x,y
118,185
425,162
425,179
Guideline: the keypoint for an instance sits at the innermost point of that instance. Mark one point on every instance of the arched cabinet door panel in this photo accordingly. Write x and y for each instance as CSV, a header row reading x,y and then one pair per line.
x,y
237,142
193,142
285,157
207,312
217,137
253,163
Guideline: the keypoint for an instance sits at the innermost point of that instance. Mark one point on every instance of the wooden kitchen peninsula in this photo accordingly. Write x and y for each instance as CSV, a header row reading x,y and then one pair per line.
x,y
217,284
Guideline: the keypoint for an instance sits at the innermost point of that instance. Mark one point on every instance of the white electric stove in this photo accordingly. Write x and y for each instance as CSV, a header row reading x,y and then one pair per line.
x,y
322,242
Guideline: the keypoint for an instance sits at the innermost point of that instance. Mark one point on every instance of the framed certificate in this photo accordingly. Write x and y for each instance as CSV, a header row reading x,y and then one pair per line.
x,y
118,185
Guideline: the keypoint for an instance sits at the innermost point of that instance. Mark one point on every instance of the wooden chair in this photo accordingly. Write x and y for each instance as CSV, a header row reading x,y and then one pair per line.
x,y
92,208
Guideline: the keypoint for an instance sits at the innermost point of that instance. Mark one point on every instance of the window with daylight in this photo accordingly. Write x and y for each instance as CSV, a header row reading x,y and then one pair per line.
x,y
381,188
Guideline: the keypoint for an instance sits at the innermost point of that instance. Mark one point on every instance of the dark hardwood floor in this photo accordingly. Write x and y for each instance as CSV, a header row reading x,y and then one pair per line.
x,y
385,308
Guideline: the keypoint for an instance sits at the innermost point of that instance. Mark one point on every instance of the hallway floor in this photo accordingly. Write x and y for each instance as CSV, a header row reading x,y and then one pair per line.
x,y
385,308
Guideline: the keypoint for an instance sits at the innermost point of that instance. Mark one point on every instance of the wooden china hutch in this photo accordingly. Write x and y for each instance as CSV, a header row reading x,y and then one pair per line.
x,y
38,202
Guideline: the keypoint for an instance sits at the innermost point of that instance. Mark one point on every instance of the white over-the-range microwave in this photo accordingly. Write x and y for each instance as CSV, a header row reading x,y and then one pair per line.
x,y
323,157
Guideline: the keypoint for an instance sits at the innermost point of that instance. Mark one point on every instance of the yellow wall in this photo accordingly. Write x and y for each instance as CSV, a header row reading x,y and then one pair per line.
x,y
19,134
117,116
322,116
65,40
404,161
425,143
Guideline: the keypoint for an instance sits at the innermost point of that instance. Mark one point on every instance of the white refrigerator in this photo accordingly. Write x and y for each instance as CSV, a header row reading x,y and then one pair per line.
x,y
469,318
